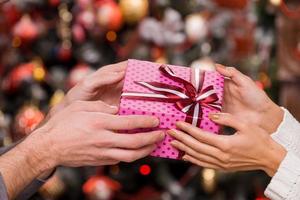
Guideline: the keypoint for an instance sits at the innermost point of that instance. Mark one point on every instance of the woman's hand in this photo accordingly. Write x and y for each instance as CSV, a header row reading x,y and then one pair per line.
x,y
105,85
250,148
244,100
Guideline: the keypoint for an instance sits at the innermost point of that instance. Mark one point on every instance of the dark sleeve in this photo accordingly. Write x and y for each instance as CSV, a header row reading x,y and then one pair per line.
x,y
27,192
3,193
32,188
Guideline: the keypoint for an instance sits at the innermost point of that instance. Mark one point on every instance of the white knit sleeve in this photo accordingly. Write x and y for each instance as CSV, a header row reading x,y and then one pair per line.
x,y
285,184
288,133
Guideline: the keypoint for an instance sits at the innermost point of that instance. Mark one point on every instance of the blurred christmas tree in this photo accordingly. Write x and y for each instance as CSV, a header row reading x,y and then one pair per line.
x,y
47,46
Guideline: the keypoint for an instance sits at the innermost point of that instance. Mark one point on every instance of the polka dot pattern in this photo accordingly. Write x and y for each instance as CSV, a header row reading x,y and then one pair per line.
x,y
166,112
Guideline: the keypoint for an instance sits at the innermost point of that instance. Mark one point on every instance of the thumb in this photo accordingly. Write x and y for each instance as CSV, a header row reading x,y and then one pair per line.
x,y
95,81
232,73
94,106
227,119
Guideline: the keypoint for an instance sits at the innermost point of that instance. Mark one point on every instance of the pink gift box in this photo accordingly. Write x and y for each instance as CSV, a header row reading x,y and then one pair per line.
x,y
168,112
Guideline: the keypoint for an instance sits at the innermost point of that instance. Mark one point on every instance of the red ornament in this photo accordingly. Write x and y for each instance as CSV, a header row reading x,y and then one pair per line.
x,y
77,74
78,33
291,12
232,4
145,170
260,85
17,75
27,119
26,29
64,54
297,52
87,19
11,13
83,4
54,3
241,32
101,187
109,15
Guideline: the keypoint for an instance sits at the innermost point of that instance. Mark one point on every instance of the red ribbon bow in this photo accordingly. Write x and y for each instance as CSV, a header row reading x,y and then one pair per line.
x,y
188,99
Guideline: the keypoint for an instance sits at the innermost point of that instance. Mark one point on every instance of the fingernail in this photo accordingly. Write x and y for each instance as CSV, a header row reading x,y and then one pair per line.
x,y
214,116
173,143
161,135
156,122
119,73
179,123
154,147
172,132
220,66
184,158
114,107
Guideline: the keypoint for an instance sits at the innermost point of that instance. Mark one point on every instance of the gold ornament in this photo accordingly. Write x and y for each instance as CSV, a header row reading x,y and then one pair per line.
x,y
56,98
53,188
209,177
134,10
196,27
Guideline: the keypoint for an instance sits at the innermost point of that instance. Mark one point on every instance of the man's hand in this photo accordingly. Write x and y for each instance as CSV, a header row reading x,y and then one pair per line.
x,y
83,134
105,84
87,133
244,100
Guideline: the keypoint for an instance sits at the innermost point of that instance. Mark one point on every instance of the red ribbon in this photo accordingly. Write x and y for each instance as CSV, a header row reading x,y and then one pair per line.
x,y
186,99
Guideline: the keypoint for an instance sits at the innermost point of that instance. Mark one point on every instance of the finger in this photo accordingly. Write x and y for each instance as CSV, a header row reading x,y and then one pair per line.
x,y
236,76
238,167
136,141
93,106
199,156
227,119
198,146
199,163
126,155
200,135
128,122
97,80
99,162
117,67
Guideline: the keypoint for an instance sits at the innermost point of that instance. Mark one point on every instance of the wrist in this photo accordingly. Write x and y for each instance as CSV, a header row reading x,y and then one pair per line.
x,y
271,117
37,151
272,158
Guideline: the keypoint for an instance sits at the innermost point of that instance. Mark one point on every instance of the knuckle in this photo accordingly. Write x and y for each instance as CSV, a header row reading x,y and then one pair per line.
x,y
129,122
103,68
129,158
87,83
225,166
148,121
100,156
105,143
115,162
226,158
244,126
95,124
232,70
226,117
226,146
184,148
248,78
136,143
77,105
101,104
